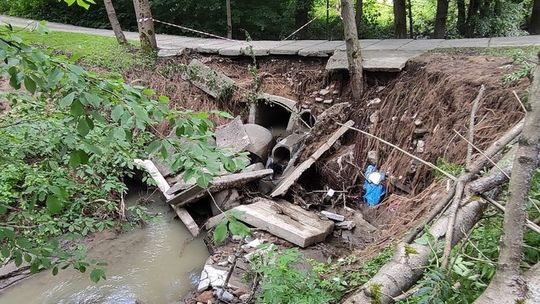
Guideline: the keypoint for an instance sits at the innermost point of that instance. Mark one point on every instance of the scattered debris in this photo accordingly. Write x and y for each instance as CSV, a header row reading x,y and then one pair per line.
x,y
232,136
374,190
212,82
333,216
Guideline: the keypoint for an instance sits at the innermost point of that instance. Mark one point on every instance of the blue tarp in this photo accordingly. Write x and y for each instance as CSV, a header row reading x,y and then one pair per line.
x,y
373,193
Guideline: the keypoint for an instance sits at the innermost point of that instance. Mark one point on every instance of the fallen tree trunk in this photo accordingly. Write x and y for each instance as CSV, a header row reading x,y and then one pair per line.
x,y
405,268
508,286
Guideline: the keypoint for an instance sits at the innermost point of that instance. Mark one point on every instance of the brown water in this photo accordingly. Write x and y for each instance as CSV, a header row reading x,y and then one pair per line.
x,y
157,264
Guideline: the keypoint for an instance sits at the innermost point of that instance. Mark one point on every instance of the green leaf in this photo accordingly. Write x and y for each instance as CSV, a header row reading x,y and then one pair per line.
x,y
93,99
229,164
97,274
238,228
54,77
153,146
148,92
141,114
77,108
66,100
204,179
91,148
54,204
84,126
55,270
163,99
117,113
30,84
220,233
77,158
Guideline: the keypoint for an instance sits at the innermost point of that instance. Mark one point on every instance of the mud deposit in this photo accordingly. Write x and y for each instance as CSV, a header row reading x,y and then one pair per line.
x,y
159,263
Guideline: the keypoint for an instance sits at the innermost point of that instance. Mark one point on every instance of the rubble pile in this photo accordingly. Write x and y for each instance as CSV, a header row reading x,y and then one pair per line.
x,y
283,141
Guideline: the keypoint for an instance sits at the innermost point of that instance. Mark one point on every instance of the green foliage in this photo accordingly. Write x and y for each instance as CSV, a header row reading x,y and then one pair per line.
x,y
442,164
284,280
68,139
230,224
91,50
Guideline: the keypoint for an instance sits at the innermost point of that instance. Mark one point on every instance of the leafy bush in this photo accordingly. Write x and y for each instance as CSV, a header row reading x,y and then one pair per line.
x,y
284,280
69,138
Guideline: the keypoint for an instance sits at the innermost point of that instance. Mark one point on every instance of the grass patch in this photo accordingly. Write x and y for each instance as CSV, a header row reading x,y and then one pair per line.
x,y
93,50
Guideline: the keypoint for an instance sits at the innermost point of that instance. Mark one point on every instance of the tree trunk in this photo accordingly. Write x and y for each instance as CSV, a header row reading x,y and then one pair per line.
x,y
145,23
303,7
359,14
411,24
115,24
400,19
354,56
229,19
472,17
461,17
534,26
440,19
508,285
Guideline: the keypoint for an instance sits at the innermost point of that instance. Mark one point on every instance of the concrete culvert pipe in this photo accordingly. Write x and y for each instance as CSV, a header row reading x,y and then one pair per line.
x,y
261,138
284,151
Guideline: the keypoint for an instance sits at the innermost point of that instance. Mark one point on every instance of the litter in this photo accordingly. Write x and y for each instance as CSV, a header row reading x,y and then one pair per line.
x,y
373,189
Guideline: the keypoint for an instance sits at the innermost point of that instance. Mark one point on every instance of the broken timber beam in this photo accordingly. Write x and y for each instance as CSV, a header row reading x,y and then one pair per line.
x,y
291,178
163,186
219,183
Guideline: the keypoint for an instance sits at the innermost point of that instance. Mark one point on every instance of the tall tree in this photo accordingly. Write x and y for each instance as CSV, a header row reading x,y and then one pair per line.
x,y
440,19
359,14
115,24
534,25
461,17
507,286
354,56
229,19
301,14
145,23
400,19
411,24
472,17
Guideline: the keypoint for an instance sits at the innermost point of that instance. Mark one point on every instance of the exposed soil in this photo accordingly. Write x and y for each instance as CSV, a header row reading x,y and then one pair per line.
x,y
419,110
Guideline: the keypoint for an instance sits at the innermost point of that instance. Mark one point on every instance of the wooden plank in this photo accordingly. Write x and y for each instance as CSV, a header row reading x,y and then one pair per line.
x,y
163,186
295,174
219,183
284,220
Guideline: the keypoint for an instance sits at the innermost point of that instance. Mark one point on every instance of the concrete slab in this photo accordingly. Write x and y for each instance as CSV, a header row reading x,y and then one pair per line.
x,y
293,48
364,43
285,220
375,61
515,41
465,43
321,50
212,46
389,44
262,48
421,45
237,49
213,82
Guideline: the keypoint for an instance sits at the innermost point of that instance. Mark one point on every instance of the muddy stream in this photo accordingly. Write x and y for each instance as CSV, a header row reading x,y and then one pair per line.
x,y
157,264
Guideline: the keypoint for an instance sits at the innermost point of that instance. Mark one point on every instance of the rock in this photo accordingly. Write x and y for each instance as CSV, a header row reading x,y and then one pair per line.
x,y
335,92
420,146
223,295
318,99
373,157
374,101
333,216
328,101
418,122
324,92
253,244
211,276
223,264
240,291
205,296
244,297
374,118
346,225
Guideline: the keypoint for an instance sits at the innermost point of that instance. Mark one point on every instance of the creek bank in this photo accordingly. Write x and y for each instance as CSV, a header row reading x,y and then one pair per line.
x,y
159,263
